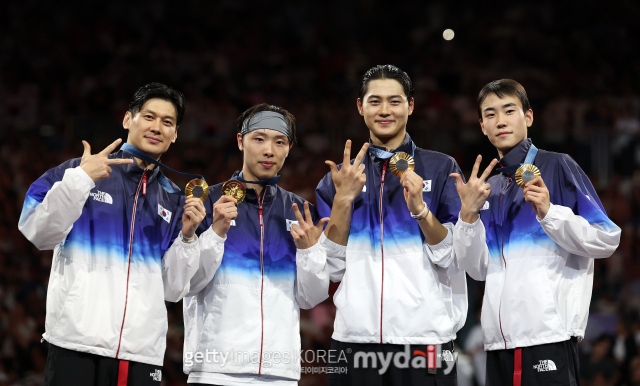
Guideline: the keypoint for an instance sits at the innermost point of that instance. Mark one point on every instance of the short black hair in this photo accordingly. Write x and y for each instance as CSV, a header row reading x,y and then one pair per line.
x,y
386,71
252,111
502,87
159,91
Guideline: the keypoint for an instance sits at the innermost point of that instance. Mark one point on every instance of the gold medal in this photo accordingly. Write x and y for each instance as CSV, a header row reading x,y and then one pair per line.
x,y
235,189
526,173
197,189
400,163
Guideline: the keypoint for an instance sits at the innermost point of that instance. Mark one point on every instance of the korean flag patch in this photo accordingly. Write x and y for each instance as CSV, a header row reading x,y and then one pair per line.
x,y
165,214
426,185
290,223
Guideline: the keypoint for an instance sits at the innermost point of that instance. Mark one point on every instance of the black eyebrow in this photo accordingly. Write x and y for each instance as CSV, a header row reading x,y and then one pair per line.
x,y
390,96
154,113
503,106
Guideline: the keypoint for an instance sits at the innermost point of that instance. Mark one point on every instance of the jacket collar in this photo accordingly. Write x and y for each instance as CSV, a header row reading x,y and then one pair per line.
x,y
405,147
252,196
134,172
516,155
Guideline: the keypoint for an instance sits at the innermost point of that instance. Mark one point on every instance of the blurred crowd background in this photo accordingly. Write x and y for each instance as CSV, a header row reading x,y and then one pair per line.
x,y
67,73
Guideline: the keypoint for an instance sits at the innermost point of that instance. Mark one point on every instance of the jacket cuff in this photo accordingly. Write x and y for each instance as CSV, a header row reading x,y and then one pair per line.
x,y
330,246
553,209
190,245
308,251
79,171
466,224
447,242
214,236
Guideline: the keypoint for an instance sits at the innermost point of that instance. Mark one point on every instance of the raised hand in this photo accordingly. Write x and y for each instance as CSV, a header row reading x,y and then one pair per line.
x,y
474,193
350,179
305,234
97,165
193,215
537,194
224,210
412,184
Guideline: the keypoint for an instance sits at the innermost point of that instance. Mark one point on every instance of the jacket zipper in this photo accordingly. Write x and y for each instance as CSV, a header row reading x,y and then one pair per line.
x,y
384,172
260,201
505,263
133,221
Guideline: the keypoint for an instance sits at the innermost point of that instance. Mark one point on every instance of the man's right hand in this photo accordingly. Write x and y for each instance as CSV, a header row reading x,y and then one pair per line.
x,y
350,179
224,210
475,192
97,165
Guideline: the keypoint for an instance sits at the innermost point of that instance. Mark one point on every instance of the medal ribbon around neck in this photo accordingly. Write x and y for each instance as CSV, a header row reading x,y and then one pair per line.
x,y
526,171
197,181
400,161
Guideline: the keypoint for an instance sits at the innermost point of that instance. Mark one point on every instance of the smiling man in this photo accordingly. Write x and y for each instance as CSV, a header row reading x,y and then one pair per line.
x,y
395,297
242,315
111,219
533,239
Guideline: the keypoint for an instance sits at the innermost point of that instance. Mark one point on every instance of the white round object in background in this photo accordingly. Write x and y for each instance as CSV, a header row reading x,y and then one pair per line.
x,y
448,34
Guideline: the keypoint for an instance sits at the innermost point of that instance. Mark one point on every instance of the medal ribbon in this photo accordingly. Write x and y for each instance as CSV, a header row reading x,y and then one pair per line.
x,y
379,153
270,181
531,156
134,151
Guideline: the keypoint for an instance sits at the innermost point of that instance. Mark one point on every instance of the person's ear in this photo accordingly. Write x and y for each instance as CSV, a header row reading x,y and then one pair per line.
x,y
360,110
175,136
411,105
126,121
240,144
528,117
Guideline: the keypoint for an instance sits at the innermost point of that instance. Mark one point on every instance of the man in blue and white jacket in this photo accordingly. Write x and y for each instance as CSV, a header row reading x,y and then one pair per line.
x,y
395,298
110,219
242,314
535,247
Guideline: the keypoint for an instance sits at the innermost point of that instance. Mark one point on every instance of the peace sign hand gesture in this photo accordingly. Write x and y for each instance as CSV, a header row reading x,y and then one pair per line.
x,y
97,165
350,179
474,193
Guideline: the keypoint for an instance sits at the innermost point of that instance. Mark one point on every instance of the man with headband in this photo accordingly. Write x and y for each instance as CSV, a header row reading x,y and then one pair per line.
x,y
531,233
242,315
110,219
397,302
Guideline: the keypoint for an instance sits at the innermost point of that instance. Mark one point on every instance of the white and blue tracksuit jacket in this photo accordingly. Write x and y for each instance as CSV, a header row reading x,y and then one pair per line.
x,y
538,273
110,275
392,287
244,301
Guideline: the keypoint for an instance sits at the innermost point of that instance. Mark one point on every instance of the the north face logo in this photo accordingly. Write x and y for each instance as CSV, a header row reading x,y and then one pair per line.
x,y
447,355
157,376
545,365
102,197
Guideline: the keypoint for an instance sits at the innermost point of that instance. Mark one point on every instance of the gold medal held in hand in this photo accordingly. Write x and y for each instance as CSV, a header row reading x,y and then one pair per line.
x,y
197,189
235,189
400,163
526,173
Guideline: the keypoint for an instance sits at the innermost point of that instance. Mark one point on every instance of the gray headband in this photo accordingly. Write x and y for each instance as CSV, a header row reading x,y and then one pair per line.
x,y
267,120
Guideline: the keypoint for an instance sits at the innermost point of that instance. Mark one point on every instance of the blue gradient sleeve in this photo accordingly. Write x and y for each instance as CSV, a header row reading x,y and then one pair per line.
x,y
325,192
575,191
449,206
